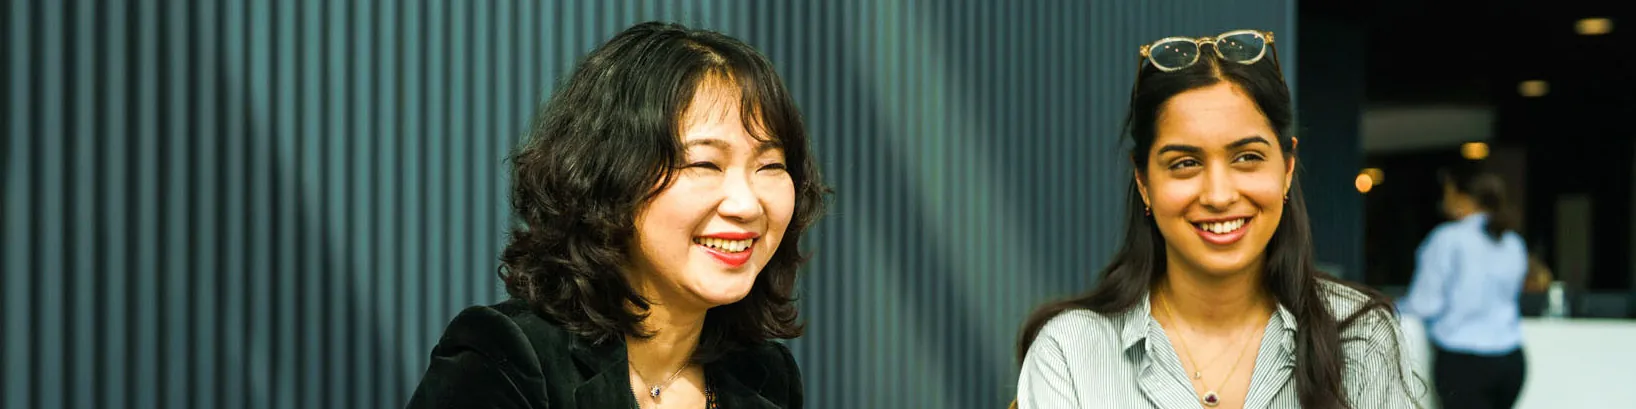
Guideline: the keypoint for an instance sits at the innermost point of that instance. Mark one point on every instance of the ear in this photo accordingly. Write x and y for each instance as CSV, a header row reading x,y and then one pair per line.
x,y
1141,187
1289,174
1289,165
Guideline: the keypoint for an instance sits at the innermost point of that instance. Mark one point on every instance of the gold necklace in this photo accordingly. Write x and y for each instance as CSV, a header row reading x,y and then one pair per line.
x,y
1198,371
654,390
1210,398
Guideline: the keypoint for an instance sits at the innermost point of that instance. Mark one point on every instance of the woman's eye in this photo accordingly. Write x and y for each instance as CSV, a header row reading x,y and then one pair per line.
x,y
1184,163
1250,157
702,165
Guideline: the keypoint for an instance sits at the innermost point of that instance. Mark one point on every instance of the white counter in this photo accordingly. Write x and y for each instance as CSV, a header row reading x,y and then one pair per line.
x,y
1572,363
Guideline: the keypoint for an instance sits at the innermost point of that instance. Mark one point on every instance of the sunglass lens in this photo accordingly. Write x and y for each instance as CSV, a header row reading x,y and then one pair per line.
x,y
1172,55
1242,47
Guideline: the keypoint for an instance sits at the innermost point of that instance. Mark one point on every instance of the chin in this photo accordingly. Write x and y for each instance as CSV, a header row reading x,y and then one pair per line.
x,y
713,284
1222,265
715,297
722,290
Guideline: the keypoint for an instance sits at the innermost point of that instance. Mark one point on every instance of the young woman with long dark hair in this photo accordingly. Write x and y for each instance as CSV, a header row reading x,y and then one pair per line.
x,y
1214,299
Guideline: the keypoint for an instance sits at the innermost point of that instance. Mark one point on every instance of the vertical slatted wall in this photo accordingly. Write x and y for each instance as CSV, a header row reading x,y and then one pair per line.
x,y
263,204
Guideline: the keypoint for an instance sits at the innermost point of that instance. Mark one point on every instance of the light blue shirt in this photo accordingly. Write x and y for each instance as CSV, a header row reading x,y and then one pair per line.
x,y
1466,287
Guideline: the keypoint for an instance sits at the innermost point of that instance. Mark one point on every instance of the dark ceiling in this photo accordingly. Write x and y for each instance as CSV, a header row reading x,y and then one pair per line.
x,y
1434,52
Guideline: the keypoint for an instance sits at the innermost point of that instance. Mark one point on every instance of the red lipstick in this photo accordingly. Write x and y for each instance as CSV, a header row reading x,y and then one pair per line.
x,y
729,258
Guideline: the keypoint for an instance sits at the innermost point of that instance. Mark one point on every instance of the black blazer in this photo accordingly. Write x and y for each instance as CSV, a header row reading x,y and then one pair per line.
x,y
507,356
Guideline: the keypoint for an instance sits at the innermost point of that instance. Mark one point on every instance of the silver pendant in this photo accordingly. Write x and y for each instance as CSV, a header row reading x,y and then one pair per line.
x,y
654,392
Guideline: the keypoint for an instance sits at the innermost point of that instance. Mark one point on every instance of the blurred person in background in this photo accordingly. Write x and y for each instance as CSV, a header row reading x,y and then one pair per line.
x,y
1468,279
1539,274
662,194
1215,299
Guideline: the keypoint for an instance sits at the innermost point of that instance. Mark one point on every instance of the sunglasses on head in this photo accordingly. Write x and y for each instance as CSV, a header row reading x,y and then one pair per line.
x,y
1175,53
1239,46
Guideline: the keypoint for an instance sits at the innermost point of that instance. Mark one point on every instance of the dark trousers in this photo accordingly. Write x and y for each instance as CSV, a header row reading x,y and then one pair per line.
x,y
1466,381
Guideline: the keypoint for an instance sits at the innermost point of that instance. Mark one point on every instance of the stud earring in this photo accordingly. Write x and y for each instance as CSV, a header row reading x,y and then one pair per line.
x,y
1147,210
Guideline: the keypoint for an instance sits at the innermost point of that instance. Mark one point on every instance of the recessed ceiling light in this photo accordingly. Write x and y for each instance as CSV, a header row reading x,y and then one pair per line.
x,y
1474,150
1594,26
1533,88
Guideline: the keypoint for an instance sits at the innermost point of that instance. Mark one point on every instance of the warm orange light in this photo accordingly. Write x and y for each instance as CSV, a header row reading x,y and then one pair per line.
x,y
1594,26
1534,88
1474,150
1364,183
1376,176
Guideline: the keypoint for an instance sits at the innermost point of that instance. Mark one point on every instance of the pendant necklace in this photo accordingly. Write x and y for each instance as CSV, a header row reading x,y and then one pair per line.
x,y
1210,398
654,390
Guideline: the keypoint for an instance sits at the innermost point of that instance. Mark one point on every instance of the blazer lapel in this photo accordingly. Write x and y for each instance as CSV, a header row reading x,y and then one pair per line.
x,y
604,387
737,385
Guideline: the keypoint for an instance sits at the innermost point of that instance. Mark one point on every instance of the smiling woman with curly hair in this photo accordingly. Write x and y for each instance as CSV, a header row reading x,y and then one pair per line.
x,y
662,195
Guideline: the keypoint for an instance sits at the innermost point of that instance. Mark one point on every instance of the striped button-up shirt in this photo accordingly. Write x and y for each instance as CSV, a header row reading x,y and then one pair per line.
x,y
1083,359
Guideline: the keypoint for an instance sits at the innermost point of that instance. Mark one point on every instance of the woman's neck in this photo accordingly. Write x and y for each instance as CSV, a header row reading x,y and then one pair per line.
x,y
675,337
1214,304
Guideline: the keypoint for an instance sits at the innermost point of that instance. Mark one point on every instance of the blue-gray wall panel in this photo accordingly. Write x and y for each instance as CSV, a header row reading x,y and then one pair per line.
x,y
1331,142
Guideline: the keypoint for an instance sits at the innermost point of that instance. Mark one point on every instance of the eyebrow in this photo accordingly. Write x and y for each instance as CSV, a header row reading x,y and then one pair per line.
x,y
1190,149
1247,141
722,144
1196,150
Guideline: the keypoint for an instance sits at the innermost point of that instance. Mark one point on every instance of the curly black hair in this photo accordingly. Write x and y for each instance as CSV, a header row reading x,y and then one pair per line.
x,y
593,157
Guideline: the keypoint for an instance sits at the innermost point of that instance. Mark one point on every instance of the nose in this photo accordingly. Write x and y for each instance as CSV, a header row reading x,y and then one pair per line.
x,y
1219,190
739,199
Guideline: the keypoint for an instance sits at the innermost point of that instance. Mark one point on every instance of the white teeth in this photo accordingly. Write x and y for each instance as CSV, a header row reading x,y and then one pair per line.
x,y
1222,227
730,246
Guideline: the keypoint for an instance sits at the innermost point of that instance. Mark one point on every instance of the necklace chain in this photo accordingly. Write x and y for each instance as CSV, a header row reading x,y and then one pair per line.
x,y
1210,396
709,397
654,390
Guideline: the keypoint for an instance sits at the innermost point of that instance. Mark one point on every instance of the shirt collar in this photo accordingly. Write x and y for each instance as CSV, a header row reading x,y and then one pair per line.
x,y
1475,218
1137,320
1286,337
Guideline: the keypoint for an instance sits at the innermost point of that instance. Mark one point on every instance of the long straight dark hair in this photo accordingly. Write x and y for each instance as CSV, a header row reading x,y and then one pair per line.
x,y
1291,275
